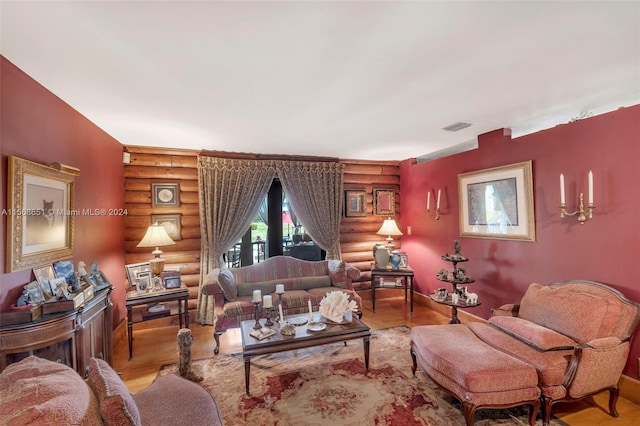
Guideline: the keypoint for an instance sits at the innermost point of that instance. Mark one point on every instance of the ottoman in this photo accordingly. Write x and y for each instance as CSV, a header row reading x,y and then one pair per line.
x,y
477,374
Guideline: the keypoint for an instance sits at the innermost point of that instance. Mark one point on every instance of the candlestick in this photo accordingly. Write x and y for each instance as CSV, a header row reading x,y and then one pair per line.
x,y
561,189
267,301
256,306
428,200
438,200
268,312
590,187
281,314
310,310
257,296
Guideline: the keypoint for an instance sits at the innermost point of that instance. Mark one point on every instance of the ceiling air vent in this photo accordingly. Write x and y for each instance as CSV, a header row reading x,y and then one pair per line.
x,y
457,126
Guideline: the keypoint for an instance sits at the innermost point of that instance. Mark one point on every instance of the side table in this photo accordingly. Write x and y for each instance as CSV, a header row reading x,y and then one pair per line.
x,y
406,275
135,303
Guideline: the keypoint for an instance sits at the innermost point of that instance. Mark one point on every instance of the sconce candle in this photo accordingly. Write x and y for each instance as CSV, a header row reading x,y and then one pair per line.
x,y
438,200
561,188
428,200
582,213
590,187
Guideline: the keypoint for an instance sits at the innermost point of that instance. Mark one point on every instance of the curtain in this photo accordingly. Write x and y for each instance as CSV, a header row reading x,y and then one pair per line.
x,y
230,193
314,191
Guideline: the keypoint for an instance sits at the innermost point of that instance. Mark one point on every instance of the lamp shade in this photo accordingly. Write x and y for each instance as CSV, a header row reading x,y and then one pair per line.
x,y
389,228
156,236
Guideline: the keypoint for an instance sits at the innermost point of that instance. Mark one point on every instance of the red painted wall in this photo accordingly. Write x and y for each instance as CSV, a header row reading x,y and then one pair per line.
x,y
36,125
606,248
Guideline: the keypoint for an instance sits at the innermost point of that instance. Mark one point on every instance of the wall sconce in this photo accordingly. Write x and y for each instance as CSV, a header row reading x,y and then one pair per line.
x,y
437,215
583,214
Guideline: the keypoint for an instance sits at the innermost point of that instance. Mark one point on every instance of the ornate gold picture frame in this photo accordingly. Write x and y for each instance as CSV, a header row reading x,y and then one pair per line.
x,y
40,213
384,202
355,203
497,203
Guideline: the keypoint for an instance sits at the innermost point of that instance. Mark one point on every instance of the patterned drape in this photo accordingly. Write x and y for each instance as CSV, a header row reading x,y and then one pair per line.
x,y
314,190
230,193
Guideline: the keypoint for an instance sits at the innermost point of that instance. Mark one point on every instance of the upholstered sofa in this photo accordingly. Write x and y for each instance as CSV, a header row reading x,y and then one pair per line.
x,y
38,391
570,339
232,289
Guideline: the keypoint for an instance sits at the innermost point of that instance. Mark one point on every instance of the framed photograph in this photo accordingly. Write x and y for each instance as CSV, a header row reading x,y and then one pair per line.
x,y
404,260
165,194
40,214
497,203
171,223
143,281
36,295
134,269
90,279
59,285
101,280
384,202
44,275
171,279
64,268
355,203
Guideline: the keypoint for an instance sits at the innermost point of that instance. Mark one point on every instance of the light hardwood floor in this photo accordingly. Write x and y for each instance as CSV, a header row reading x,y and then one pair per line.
x,y
155,345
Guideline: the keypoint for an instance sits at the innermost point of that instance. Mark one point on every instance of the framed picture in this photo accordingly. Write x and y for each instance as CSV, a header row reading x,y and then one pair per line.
x,y
384,202
404,260
43,276
355,203
64,268
171,223
134,269
59,286
36,295
497,203
90,279
171,279
165,194
143,281
40,214
101,280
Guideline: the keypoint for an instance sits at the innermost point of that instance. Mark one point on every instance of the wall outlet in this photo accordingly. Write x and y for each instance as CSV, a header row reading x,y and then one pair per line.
x,y
126,157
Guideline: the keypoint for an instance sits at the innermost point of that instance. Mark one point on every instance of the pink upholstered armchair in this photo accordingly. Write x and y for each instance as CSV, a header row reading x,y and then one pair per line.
x,y
581,333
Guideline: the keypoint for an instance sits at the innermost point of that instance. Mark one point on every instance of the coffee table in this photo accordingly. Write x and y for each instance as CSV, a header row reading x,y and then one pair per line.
x,y
303,338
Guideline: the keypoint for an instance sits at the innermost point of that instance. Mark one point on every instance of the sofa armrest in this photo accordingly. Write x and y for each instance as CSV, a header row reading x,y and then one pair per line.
x,y
210,286
508,310
596,365
342,274
352,272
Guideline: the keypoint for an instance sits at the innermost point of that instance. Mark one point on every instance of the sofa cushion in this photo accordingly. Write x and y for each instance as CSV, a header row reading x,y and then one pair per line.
x,y
227,283
576,314
294,283
116,404
39,391
536,335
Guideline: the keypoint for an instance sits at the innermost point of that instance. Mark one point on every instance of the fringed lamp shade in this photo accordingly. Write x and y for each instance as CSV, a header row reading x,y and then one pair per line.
x,y
156,236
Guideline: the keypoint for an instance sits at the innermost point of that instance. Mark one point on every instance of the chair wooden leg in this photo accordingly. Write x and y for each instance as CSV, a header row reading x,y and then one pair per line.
x,y
533,412
469,413
216,336
414,367
546,410
613,400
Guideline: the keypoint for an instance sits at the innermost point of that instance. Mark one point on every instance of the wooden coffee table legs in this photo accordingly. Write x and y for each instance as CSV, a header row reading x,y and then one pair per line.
x,y
247,363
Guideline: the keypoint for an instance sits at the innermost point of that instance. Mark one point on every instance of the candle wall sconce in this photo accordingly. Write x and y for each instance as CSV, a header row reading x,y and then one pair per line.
x,y
437,212
583,214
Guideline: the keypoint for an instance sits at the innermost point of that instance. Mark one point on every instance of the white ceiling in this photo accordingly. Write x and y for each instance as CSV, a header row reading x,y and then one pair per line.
x,y
360,80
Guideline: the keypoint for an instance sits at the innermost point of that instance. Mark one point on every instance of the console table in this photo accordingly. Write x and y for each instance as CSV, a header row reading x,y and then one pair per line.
x,y
71,337
177,299
406,275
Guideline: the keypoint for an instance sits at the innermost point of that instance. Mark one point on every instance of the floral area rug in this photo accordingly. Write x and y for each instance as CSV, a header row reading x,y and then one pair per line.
x,y
329,385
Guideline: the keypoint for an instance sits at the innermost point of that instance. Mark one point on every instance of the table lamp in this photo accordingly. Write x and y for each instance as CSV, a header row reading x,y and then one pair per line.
x,y
389,228
156,236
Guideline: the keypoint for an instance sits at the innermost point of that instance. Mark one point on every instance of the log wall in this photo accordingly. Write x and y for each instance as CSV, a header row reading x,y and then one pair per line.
x,y
149,165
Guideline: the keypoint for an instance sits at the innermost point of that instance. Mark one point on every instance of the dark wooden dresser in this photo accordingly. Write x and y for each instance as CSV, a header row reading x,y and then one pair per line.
x,y
71,337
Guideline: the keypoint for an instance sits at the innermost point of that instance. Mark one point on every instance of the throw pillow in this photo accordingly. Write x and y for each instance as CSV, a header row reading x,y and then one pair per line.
x,y
39,391
117,406
535,335
337,272
227,283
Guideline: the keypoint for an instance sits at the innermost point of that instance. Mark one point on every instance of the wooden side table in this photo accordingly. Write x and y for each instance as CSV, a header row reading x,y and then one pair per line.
x,y
406,275
136,303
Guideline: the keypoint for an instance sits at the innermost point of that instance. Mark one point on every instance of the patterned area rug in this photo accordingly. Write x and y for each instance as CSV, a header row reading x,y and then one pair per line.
x,y
328,385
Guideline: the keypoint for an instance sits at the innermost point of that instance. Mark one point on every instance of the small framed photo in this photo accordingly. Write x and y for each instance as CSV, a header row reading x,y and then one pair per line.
x,y
143,281
101,280
59,287
404,260
43,276
171,279
165,194
64,268
90,280
171,223
355,203
36,296
134,269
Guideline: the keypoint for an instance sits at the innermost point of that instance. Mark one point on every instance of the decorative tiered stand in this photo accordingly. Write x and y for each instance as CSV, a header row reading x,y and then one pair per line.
x,y
457,298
